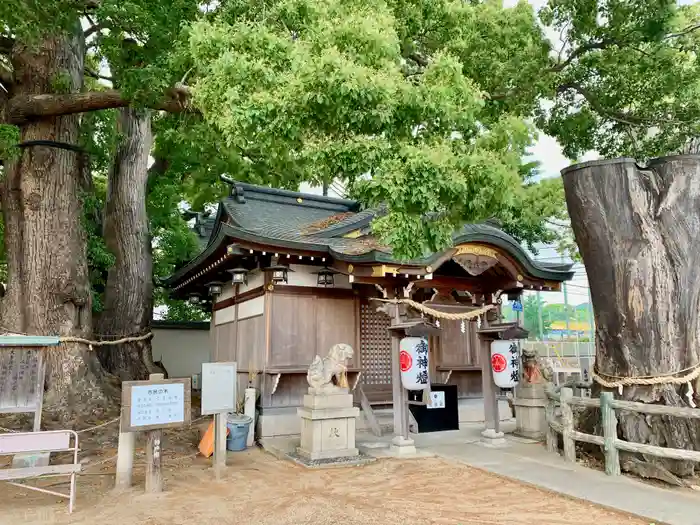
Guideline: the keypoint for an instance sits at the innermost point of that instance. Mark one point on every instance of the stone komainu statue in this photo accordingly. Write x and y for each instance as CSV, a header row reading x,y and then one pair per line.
x,y
534,372
323,370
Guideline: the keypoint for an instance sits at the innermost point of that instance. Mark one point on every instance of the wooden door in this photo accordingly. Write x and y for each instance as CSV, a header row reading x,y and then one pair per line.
x,y
375,353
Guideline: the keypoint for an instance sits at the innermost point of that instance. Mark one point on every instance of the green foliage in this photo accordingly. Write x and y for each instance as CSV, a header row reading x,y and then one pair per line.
x,y
100,259
630,86
9,137
424,106
324,90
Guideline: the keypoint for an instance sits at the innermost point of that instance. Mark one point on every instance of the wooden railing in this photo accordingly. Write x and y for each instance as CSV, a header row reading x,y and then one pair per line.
x,y
608,441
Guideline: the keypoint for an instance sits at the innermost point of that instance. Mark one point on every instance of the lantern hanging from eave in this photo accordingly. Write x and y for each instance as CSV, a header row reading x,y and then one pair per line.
x,y
413,360
325,277
239,275
215,288
505,363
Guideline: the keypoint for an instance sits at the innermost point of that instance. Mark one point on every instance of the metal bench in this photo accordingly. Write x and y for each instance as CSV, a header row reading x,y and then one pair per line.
x,y
41,442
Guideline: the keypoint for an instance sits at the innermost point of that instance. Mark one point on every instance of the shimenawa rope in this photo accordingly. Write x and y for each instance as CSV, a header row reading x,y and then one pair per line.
x,y
437,313
610,381
90,342
689,375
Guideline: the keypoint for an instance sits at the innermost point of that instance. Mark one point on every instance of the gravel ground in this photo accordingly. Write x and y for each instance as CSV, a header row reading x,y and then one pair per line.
x,y
259,489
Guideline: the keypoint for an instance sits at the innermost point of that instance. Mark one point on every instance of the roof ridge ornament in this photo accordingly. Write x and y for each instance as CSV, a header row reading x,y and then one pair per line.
x,y
237,191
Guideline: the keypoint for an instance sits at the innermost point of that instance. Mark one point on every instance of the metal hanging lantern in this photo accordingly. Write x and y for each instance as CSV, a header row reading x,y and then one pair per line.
x,y
326,277
239,275
279,273
215,288
195,298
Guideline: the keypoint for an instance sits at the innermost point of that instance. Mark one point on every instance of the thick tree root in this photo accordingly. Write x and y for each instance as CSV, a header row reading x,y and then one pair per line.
x,y
646,470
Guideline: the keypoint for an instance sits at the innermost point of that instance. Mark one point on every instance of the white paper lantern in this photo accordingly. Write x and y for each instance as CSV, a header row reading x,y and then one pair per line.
x,y
505,363
413,360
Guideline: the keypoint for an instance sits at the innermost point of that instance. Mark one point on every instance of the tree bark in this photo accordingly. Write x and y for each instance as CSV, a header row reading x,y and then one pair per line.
x,y
48,289
129,289
25,107
638,231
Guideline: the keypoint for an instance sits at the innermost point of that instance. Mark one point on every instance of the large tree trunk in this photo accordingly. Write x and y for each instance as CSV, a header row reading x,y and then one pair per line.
x,y
638,230
129,290
48,290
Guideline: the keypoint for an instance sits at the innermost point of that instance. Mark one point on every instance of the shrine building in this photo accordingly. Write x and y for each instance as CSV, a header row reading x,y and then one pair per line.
x,y
287,275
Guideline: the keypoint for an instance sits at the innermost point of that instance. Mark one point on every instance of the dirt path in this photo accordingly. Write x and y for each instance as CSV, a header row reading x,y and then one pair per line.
x,y
262,490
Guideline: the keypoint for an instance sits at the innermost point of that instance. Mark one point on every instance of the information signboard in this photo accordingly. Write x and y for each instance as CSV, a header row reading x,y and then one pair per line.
x,y
218,388
161,403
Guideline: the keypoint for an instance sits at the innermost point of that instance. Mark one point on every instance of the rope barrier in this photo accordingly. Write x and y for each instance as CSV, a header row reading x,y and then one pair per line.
x,y
437,313
98,426
90,429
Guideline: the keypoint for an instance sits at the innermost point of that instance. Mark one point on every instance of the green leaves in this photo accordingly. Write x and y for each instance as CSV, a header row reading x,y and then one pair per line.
x,y
326,90
629,81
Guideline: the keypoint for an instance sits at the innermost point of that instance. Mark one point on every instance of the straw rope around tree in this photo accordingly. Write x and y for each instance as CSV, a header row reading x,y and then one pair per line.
x,y
437,313
674,378
90,342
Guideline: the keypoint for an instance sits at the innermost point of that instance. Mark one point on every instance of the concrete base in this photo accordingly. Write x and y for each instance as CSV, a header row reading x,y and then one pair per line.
x,y
328,426
491,438
285,421
401,446
529,404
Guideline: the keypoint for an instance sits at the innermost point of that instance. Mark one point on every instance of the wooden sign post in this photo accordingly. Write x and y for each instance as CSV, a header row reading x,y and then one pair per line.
x,y
219,398
151,406
22,372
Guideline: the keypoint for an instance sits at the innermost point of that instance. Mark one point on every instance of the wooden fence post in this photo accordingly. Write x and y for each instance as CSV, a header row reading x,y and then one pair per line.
x,y
609,418
551,436
567,416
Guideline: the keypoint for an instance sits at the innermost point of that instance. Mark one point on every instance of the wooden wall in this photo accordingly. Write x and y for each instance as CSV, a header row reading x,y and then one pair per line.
x,y
245,345
458,352
305,322
305,325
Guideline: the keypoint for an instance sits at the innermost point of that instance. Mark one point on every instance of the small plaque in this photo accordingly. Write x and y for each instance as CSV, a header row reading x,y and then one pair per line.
x,y
437,399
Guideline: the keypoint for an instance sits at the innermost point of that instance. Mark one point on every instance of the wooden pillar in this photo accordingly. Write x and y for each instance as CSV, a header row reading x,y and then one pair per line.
x,y
154,474
492,433
219,444
401,444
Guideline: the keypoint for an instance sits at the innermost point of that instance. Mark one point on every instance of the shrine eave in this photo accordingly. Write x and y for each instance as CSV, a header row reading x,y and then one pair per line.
x,y
261,219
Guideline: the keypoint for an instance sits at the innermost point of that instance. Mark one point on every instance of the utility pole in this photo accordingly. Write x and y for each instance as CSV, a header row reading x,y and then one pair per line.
x,y
591,319
566,303
540,325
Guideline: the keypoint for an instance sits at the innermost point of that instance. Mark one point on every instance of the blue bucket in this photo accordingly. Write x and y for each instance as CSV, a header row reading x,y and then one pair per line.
x,y
238,425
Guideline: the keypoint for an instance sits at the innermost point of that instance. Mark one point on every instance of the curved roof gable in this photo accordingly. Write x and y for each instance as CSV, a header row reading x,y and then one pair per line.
x,y
283,219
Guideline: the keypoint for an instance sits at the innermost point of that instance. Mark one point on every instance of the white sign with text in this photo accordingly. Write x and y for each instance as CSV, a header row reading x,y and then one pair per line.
x,y
218,388
157,404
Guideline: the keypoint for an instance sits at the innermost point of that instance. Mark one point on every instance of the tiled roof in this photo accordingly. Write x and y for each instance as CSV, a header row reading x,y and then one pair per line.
x,y
286,219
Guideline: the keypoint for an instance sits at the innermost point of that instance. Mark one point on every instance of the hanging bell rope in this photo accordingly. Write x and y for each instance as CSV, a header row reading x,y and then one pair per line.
x,y
437,313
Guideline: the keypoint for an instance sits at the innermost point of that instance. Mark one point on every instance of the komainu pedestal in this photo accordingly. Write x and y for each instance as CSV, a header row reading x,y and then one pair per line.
x,y
328,416
328,426
530,398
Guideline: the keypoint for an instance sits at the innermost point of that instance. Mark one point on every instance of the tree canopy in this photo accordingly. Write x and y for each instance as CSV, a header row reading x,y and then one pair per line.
x,y
425,106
